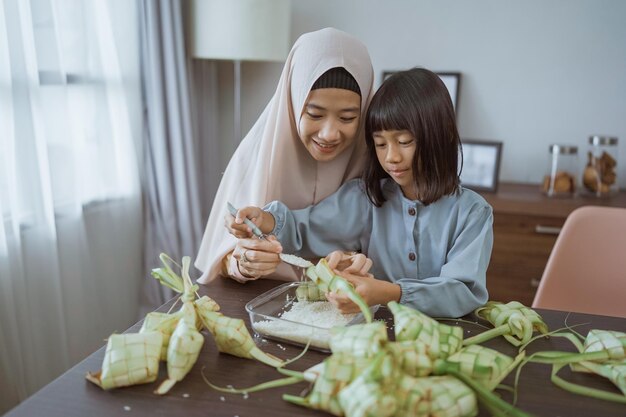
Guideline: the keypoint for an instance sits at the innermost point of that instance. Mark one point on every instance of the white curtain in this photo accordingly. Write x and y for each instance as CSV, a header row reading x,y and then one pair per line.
x,y
172,203
70,204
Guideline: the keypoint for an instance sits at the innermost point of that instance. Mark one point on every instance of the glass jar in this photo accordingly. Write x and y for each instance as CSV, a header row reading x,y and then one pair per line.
x,y
600,172
560,178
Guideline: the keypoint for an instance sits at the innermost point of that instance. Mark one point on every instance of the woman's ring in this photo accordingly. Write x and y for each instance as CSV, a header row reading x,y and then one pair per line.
x,y
244,258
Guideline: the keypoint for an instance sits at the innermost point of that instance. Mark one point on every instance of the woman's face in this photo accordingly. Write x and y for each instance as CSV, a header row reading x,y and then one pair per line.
x,y
329,122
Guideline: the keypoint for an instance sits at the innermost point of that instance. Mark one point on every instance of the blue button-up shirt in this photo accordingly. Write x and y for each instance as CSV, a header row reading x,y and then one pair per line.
x,y
438,254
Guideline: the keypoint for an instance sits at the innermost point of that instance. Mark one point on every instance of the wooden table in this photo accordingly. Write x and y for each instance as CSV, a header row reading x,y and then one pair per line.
x,y
71,395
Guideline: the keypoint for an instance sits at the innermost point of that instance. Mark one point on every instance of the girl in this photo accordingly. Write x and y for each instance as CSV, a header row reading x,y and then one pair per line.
x,y
308,141
429,238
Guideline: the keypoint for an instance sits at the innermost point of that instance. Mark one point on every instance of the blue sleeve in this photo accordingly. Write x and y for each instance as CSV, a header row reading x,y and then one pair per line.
x,y
461,286
337,222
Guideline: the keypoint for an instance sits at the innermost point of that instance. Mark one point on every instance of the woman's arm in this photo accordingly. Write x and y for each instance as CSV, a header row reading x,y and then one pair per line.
x,y
339,222
334,225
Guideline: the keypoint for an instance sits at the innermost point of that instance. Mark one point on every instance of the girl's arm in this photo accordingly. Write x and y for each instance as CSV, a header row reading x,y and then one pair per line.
x,y
461,286
459,289
373,291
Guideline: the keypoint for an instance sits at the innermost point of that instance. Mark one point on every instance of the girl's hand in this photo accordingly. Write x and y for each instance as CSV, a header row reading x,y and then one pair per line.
x,y
372,290
237,227
351,262
256,257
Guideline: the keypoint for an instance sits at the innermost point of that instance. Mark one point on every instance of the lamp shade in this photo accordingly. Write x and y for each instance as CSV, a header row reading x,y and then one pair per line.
x,y
240,30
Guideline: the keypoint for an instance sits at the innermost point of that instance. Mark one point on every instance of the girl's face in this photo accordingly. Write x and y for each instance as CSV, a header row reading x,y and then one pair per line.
x,y
395,150
329,122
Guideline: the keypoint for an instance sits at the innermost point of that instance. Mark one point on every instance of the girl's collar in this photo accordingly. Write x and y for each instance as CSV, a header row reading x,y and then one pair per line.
x,y
395,188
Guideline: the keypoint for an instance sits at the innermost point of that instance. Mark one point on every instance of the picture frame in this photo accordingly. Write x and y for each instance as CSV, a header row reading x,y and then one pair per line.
x,y
481,164
452,80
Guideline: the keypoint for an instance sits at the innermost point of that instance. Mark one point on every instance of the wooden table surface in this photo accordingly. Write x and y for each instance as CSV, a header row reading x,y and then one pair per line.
x,y
71,395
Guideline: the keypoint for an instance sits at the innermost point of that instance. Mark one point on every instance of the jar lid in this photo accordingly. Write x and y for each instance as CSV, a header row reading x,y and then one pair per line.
x,y
602,140
563,149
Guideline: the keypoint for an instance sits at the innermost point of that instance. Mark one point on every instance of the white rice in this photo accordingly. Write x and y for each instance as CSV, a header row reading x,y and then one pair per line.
x,y
295,260
302,316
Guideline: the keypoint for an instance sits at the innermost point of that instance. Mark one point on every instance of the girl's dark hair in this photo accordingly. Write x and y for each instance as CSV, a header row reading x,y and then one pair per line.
x,y
418,101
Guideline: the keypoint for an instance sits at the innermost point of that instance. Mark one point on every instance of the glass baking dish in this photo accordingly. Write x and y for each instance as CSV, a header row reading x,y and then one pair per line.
x,y
265,317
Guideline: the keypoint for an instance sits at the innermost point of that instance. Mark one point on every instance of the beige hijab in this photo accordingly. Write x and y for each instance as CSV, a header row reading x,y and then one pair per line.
x,y
271,163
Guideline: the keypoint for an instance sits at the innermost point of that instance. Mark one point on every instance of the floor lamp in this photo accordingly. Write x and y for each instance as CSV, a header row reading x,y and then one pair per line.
x,y
240,30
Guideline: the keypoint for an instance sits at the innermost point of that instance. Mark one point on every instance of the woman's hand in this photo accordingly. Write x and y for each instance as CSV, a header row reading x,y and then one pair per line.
x,y
350,262
372,290
257,257
236,226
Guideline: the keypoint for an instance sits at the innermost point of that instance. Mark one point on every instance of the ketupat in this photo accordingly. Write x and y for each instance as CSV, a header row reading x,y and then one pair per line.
x,y
372,393
232,336
328,281
133,358
205,303
487,366
183,350
412,357
450,335
360,340
186,341
130,359
513,320
600,346
603,353
442,341
353,350
331,376
165,323
435,396
410,324
364,342
344,367
613,369
612,342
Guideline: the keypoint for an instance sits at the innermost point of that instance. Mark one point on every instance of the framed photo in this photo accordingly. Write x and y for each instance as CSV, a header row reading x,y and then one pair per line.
x,y
452,80
481,164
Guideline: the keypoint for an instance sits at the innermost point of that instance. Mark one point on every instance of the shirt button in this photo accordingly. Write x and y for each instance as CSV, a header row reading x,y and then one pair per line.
x,y
412,211
411,256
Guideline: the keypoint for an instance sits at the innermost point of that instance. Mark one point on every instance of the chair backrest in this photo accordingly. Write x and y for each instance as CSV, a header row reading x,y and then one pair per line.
x,y
586,271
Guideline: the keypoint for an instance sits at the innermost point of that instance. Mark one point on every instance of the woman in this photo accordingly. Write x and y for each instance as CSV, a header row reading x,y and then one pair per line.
x,y
306,143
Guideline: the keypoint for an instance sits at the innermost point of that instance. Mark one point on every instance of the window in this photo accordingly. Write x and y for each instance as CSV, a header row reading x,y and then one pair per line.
x,y
68,134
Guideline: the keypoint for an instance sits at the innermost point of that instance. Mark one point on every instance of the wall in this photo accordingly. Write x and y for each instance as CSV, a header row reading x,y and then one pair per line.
x,y
534,72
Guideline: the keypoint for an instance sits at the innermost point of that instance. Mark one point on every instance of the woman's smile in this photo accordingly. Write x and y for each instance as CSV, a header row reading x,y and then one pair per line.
x,y
325,147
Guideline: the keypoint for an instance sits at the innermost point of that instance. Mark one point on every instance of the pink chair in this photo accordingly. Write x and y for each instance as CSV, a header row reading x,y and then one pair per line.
x,y
586,271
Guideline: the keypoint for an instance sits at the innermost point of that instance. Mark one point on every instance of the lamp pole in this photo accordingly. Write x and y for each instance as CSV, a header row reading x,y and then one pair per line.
x,y
238,30
237,101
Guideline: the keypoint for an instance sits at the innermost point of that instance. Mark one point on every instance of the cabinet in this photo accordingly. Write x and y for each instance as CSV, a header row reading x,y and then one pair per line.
x,y
526,225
